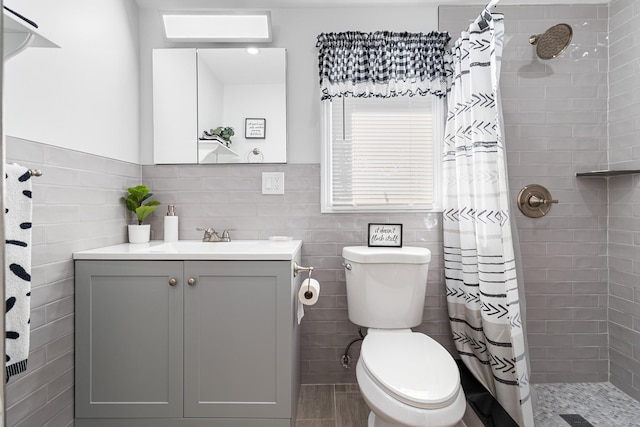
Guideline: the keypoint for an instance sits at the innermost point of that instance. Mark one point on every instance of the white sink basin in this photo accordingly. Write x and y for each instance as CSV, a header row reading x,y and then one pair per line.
x,y
197,250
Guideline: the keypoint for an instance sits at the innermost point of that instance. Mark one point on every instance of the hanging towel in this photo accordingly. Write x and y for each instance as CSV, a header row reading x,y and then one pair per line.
x,y
18,214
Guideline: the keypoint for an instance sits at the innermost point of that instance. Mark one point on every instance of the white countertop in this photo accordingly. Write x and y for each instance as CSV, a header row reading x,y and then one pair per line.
x,y
196,250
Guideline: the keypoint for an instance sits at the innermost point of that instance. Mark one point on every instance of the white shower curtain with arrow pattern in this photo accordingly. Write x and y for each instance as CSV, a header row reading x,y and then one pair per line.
x,y
482,284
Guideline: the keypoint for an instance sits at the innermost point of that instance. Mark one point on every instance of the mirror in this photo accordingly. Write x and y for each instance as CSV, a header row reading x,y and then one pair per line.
x,y
247,93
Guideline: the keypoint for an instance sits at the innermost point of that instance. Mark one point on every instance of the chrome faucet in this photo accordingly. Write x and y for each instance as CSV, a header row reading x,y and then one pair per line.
x,y
210,235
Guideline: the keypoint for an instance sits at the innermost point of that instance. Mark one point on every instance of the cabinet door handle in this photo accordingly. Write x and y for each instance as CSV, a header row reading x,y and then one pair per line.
x,y
172,281
191,281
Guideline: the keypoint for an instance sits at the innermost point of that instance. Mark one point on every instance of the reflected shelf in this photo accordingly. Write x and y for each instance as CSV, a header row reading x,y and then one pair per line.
x,y
207,147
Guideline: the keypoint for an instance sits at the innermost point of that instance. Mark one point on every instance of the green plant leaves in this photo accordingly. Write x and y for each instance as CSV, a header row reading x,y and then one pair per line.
x,y
224,132
135,202
138,192
144,211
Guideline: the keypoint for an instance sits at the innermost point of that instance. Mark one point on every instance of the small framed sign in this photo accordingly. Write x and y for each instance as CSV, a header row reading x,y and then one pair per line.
x,y
255,128
387,235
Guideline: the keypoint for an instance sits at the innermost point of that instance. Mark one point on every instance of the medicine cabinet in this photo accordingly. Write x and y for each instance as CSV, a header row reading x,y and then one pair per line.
x,y
198,90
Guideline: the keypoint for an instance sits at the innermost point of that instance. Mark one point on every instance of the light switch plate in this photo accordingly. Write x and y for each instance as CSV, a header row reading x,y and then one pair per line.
x,y
272,182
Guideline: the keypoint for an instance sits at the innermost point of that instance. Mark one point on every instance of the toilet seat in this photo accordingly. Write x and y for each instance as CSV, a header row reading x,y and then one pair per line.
x,y
411,367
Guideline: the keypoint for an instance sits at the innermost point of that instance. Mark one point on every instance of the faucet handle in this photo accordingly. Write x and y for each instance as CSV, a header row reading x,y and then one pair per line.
x,y
225,235
208,232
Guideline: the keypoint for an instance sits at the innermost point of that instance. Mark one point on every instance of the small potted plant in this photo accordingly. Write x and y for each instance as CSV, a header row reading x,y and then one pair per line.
x,y
137,201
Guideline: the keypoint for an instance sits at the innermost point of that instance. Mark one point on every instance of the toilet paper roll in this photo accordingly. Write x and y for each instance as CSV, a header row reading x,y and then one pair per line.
x,y
309,291
307,295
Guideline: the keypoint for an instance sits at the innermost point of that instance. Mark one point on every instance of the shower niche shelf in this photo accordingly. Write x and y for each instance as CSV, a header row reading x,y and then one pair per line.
x,y
606,173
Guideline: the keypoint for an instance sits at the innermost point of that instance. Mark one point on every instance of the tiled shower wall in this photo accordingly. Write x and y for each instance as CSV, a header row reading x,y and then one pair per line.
x,y
76,206
555,118
624,197
556,125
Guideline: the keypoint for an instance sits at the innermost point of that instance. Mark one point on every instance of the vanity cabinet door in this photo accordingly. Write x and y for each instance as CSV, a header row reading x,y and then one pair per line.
x,y
129,350
238,339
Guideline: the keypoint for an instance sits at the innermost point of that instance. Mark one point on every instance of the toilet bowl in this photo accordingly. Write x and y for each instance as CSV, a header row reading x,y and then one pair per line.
x,y
409,380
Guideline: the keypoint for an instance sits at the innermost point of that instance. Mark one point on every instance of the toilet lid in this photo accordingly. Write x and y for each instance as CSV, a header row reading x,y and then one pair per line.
x,y
412,367
404,255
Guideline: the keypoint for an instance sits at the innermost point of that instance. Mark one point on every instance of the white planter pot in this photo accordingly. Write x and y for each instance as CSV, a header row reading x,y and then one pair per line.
x,y
139,233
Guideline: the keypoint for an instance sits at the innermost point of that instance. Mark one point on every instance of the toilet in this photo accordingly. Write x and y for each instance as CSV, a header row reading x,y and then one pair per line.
x,y
407,378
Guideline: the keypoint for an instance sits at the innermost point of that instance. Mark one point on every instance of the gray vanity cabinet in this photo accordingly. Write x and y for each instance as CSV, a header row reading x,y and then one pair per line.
x,y
237,348
129,324
216,348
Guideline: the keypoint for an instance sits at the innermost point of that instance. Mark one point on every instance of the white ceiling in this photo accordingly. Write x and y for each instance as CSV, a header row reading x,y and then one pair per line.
x,y
265,4
236,66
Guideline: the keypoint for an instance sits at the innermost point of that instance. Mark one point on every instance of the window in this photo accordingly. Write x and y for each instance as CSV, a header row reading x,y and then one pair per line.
x,y
379,154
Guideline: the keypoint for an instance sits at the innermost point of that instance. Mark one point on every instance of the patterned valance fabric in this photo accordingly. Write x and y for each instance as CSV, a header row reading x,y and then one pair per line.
x,y
383,64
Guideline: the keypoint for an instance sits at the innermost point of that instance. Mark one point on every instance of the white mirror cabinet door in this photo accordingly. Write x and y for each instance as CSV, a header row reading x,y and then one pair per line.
x,y
175,106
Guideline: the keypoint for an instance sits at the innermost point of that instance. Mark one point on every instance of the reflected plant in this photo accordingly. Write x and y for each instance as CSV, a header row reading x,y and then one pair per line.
x,y
223,132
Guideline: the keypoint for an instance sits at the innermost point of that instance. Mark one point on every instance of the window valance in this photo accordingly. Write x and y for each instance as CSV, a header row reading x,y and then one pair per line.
x,y
383,64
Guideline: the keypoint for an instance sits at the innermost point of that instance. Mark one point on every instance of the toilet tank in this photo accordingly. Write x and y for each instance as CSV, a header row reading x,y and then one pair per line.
x,y
386,286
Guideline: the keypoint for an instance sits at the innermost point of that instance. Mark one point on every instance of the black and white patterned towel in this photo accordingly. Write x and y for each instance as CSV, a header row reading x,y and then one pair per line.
x,y
18,214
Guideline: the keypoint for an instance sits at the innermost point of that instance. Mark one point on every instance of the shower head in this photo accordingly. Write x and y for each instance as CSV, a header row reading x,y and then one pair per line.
x,y
553,41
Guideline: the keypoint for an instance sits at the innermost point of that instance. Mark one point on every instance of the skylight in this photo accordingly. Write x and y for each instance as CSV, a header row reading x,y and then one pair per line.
x,y
221,27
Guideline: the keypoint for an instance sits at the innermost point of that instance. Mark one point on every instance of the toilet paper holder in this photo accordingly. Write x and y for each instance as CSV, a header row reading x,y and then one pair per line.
x,y
296,270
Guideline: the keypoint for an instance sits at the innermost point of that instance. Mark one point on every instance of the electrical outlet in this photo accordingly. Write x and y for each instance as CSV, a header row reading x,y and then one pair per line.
x,y
272,182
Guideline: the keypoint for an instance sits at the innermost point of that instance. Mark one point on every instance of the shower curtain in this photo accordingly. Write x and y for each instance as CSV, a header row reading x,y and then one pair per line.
x,y
480,269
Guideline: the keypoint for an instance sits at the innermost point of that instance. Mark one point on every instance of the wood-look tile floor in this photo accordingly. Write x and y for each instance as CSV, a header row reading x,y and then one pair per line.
x,y
601,404
341,405
331,405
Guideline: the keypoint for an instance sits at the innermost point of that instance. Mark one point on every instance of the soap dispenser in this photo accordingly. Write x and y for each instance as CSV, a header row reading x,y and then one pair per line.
x,y
171,225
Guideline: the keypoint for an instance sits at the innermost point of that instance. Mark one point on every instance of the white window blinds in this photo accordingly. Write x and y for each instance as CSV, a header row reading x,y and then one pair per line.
x,y
380,154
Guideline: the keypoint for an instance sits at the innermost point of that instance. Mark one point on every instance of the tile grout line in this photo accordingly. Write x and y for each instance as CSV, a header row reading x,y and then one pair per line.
x,y
335,407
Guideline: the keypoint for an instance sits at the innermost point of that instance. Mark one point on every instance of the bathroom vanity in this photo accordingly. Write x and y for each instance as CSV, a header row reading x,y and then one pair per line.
x,y
187,334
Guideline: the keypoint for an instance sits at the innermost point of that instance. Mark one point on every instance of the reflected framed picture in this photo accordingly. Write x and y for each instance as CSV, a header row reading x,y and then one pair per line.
x,y
255,128
385,235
